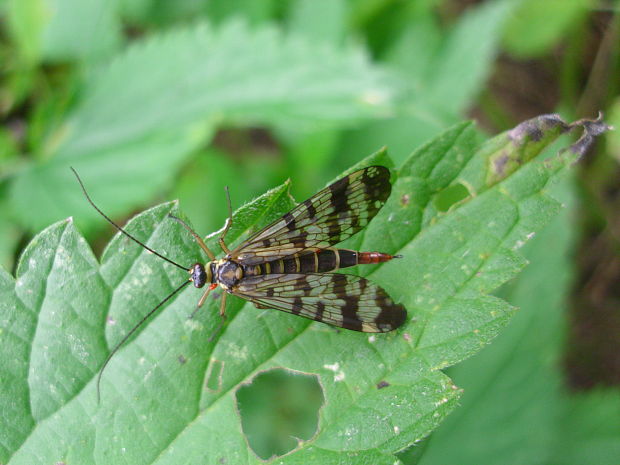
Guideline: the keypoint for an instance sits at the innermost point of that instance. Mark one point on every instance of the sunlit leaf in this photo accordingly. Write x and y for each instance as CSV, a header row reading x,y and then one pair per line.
x,y
169,395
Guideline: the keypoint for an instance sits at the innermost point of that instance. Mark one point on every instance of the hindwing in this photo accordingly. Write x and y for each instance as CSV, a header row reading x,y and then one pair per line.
x,y
341,300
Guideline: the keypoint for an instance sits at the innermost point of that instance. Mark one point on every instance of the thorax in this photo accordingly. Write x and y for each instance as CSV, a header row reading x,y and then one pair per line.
x,y
228,273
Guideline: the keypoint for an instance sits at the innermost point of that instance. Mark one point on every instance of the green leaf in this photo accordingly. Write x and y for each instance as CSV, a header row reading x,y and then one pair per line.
x,y
514,408
63,30
9,236
464,61
590,429
26,21
535,27
512,390
200,189
135,11
56,283
446,71
44,192
319,20
233,72
423,28
169,396
79,30
152,116
298,397
613,137
252,11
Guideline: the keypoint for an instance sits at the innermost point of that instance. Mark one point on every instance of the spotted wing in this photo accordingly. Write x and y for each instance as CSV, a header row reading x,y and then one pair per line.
x,y
327,218
341,300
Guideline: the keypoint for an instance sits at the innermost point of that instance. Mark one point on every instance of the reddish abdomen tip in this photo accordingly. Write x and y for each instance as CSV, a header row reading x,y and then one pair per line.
x,y
364,258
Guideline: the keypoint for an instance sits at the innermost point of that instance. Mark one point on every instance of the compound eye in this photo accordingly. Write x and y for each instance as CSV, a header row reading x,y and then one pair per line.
x,y
199,275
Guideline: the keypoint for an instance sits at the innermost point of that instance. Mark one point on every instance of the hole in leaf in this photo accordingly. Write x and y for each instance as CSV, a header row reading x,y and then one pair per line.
x,y
450,196
278,407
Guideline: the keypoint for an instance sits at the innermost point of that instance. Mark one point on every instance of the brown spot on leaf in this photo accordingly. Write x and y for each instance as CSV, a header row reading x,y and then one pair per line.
x,y
499,164
533,129
382,384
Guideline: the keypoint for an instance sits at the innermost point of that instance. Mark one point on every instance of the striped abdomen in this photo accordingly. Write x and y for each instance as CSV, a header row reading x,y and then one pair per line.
x,y
319,261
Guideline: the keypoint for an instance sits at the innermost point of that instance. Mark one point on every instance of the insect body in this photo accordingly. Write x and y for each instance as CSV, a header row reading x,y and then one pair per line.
x,y
295,285
289,264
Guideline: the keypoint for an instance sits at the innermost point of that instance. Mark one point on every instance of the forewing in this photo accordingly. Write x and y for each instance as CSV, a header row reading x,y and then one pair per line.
x,y
341,300
327,218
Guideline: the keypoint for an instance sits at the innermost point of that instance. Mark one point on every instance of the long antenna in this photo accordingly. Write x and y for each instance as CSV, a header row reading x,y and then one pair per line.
x,y
130,333
121,229
149,314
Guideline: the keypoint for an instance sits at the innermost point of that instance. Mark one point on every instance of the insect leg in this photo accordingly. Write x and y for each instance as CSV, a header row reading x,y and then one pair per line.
x,y
223,306
202,300
222,320
201,243
228,224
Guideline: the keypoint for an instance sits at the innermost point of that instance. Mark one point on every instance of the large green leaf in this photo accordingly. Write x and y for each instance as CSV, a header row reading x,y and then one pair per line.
x,y
514,408
234,72
513,397
169,395
162,98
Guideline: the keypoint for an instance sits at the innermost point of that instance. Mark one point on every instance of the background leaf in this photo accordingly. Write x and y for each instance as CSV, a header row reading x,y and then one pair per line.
x,y
555,17
26,21
589,428
444,72
79,30
159,116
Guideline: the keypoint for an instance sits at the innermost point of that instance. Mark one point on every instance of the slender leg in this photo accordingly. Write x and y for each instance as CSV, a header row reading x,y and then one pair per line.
x,y
223,306
228,224
201,243
202,300
223,318
204,296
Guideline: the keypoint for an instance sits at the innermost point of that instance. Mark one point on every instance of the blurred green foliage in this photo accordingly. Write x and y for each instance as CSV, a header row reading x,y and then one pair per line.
x,y
153,100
